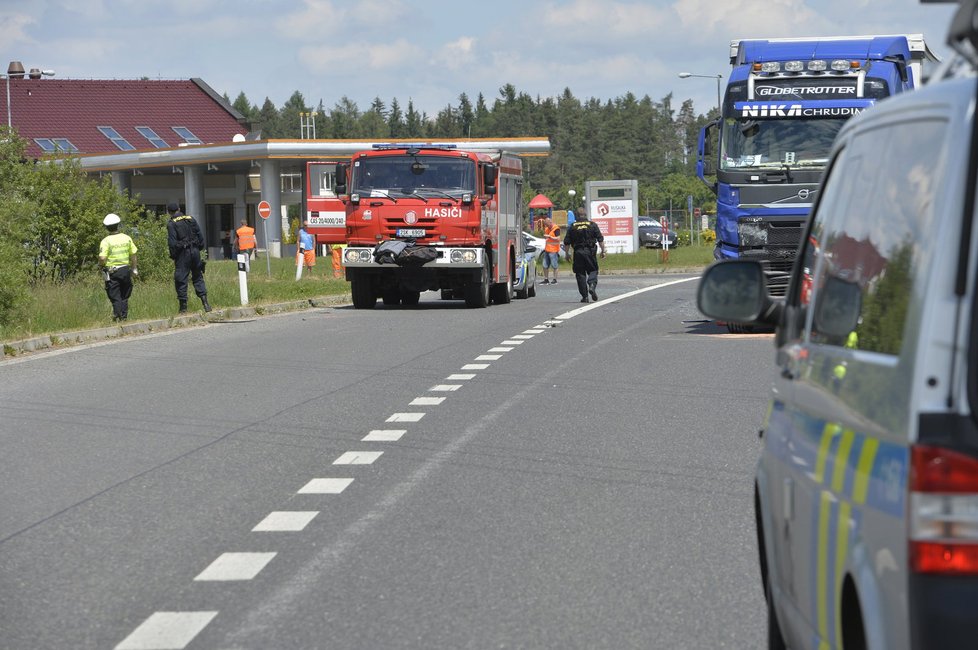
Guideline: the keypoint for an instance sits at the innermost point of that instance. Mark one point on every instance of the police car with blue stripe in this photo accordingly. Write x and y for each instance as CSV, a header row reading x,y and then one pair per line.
x,y
866,492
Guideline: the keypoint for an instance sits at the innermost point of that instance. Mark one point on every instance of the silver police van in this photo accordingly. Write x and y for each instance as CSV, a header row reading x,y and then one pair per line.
x,y
866,493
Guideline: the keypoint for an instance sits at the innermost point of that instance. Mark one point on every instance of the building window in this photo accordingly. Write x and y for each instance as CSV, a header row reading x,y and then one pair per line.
x,y
116,139
56,145
186,134
150,135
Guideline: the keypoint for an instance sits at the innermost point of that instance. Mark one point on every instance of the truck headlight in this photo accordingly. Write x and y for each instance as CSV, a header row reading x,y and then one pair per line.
x,y
460,256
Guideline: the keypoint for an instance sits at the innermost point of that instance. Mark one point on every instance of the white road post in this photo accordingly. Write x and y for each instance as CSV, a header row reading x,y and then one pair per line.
x,y
244,266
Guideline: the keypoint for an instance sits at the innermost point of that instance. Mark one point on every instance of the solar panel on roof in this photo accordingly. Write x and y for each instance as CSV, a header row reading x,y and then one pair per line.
x,y
54,145
186,134
153,138
116,139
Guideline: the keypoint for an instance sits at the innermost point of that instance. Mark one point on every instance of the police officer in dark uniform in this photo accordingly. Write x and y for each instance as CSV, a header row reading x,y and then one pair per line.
x,y
186,241
584,236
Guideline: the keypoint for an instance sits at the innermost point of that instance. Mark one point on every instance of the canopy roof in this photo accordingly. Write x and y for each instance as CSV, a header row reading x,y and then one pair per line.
x,y
540,201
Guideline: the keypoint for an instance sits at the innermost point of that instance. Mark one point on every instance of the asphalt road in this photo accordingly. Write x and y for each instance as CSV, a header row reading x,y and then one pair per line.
x,y
543,474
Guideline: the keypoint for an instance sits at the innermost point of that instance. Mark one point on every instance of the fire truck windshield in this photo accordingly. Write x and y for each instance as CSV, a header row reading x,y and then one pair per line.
x,y
747,143
405,175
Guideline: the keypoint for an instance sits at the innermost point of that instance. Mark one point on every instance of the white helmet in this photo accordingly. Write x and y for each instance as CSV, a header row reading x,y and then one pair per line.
x,y
111,219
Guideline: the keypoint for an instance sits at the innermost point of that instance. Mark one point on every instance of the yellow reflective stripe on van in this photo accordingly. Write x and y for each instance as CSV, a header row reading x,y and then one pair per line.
x,y
828,433
822,562
841,554
841,461
834,494
863,470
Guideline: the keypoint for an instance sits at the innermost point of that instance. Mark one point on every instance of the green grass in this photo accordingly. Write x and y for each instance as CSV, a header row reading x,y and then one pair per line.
x,y
82,304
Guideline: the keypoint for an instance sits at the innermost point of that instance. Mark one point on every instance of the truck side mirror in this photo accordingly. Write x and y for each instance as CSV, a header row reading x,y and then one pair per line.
x,y
341,171
707,153
489,174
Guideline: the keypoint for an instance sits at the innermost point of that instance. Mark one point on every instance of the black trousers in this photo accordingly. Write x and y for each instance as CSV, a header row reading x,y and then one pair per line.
x,y
188,263
118,288
585,269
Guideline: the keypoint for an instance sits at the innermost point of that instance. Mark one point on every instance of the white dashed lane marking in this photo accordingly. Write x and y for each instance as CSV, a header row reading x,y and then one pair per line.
x,y
405,417
426,401
512,342
167,631
475,366
499,349
524,337
463,376
535,330
445,388
489,357
384,435
358,458
235,566
286,521
326,486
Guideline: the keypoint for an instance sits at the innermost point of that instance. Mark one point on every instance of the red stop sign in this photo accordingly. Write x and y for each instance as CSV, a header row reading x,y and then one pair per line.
x,y
264,209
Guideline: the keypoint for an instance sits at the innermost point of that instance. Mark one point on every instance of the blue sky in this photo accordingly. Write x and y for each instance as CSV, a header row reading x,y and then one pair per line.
x,y
430,51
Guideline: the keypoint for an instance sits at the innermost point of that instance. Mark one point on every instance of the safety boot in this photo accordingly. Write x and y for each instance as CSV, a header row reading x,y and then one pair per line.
x,y
183,306
207,305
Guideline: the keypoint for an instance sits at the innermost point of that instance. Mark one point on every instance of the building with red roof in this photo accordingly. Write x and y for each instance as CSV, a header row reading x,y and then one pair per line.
x,y
177,140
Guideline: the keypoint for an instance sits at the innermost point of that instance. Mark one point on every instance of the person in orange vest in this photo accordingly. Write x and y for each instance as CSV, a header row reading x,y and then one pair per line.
x,y
245,239
551,251
336,250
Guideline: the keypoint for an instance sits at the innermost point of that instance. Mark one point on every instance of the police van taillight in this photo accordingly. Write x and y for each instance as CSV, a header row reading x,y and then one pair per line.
x,y
943,511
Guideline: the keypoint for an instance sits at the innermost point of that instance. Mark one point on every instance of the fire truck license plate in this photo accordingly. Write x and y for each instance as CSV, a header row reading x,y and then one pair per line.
x,y
410,232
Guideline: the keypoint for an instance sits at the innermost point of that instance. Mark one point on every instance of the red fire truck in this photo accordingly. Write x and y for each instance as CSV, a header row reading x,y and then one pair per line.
x,y
464,207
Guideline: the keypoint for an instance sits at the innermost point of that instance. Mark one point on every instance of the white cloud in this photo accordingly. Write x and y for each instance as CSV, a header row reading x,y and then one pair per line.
x,y
13,28
707,19
456,55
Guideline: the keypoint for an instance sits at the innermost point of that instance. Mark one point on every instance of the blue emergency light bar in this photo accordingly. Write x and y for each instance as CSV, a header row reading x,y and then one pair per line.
x,y
413,145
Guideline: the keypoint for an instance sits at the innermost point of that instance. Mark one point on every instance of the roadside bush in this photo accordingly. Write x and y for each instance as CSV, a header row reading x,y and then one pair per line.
x,y
708,236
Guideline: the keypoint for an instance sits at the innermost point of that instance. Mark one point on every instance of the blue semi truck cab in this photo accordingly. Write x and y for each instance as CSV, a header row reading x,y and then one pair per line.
x,y
784,103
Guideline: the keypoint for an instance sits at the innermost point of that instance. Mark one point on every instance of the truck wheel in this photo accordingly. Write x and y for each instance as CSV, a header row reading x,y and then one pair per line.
x,y
410,298
502,292
477,293
446,294
391,296
363,293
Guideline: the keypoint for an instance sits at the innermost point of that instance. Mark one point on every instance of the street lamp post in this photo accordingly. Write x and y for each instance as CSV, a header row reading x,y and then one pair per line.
x,y
16,69
718,77
571,194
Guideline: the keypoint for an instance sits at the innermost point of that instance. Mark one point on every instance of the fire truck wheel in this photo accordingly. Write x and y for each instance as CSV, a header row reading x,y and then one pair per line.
x,y
410,298
391,296
363,293
502,292
477,293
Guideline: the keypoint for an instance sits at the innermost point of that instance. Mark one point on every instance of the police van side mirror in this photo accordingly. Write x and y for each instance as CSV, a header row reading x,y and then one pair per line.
x,y
735,291
963,27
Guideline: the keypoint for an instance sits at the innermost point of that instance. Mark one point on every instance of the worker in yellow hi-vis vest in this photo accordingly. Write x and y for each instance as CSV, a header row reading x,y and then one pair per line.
x,y
117,259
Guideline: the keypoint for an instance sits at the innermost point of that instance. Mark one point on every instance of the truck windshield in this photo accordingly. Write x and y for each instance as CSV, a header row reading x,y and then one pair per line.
x,y
404,175
748,143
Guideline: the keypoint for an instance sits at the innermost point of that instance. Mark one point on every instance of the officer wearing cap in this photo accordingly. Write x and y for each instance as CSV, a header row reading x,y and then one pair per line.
x,y
584,236
117,259
186,242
